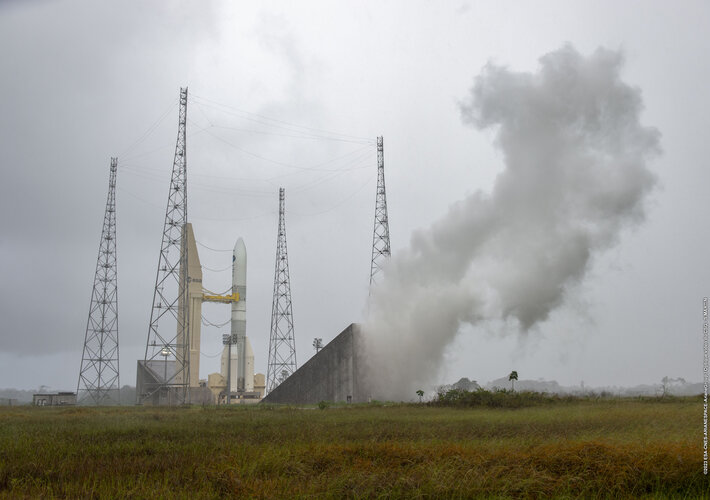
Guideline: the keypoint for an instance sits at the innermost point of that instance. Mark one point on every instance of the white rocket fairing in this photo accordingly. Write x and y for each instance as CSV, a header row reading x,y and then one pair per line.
x,y
244,375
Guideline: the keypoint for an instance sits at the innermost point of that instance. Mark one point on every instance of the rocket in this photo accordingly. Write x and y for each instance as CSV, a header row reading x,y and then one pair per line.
x,y
238,356
239,309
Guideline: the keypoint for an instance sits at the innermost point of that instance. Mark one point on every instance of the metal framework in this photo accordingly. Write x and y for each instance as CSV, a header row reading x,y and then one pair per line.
x,y
381,231
282,343
98,375
168,333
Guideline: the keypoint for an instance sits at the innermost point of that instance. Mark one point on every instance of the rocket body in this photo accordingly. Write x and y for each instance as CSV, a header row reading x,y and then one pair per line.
x,y
239,312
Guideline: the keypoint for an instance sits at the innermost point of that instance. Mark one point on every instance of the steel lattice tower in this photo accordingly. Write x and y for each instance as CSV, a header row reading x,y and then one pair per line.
x,y
98,375
282,343
168,332
381,231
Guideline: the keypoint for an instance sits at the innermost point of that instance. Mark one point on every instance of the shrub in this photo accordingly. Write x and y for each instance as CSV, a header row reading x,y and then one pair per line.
x,y
498,398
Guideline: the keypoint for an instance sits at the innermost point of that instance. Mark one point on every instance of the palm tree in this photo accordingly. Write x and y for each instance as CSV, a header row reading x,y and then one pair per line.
x,y
420,393
513,377
664,384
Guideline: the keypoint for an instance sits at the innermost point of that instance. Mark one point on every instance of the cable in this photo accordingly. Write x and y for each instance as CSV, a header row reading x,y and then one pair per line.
x,y
214,249
150,129
334,173
158,148
249,193
210,292
206,322
224,219
263,132
277,162
203,112
150,175
342,201
123,190
140,168
263,158
333,160
289,124
217,270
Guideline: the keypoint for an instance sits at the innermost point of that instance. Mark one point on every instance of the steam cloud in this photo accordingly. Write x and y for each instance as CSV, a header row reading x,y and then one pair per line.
x,y
575,174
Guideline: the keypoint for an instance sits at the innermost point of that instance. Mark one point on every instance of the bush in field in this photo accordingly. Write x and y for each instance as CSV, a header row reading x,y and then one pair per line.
x,y
499,398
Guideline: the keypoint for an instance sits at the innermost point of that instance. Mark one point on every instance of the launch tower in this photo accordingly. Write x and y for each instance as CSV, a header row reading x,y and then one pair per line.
x,y
168,341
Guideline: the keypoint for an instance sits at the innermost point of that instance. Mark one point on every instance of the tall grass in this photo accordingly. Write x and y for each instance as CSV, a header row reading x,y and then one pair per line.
x,y
590,449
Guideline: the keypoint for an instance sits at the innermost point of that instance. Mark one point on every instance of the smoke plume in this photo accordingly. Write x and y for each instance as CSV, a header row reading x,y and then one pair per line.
x,y
575,175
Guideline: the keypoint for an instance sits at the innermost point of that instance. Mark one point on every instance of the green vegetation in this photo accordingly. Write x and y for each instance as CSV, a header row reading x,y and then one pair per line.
x,y
502,398
566,448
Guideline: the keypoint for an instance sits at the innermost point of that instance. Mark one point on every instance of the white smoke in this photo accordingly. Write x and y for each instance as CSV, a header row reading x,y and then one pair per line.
x,y
575,174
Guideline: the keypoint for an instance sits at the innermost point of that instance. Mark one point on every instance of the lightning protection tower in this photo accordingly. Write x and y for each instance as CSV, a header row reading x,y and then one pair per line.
x,y
282,343
98,375
167,351
381,231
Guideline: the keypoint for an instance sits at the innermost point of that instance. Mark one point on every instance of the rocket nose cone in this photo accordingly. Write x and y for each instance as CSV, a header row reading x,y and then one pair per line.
x,y
239,256
239,263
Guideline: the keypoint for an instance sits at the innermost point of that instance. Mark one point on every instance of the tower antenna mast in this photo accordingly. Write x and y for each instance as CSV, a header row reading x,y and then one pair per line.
x,y
381,231
167,351
98,375
282,342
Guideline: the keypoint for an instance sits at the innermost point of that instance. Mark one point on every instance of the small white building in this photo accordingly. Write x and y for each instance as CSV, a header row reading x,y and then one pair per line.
x,y
54,399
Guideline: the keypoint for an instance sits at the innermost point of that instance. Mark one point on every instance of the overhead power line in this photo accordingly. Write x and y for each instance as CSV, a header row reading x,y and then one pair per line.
x,y
214,249
217,270
150,129
277,123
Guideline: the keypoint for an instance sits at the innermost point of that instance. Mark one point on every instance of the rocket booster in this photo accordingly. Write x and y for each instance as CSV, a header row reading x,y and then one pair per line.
x,y
239,309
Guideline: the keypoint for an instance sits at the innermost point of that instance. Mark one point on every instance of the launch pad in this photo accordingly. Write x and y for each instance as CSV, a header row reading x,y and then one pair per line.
x,y
236,381
169,372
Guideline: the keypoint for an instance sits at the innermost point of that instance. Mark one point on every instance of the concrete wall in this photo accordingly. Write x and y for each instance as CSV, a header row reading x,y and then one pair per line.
x,y
150,375
202,396
331,375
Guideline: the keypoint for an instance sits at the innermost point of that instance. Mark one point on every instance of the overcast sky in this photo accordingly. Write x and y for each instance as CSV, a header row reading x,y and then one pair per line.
x,y
82,81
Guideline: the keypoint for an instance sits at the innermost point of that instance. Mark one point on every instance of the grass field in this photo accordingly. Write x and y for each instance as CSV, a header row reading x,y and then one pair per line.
x,y
614,448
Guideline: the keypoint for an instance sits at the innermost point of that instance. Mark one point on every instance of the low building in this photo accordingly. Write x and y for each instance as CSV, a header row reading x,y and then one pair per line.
x,y
217,383
54,399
